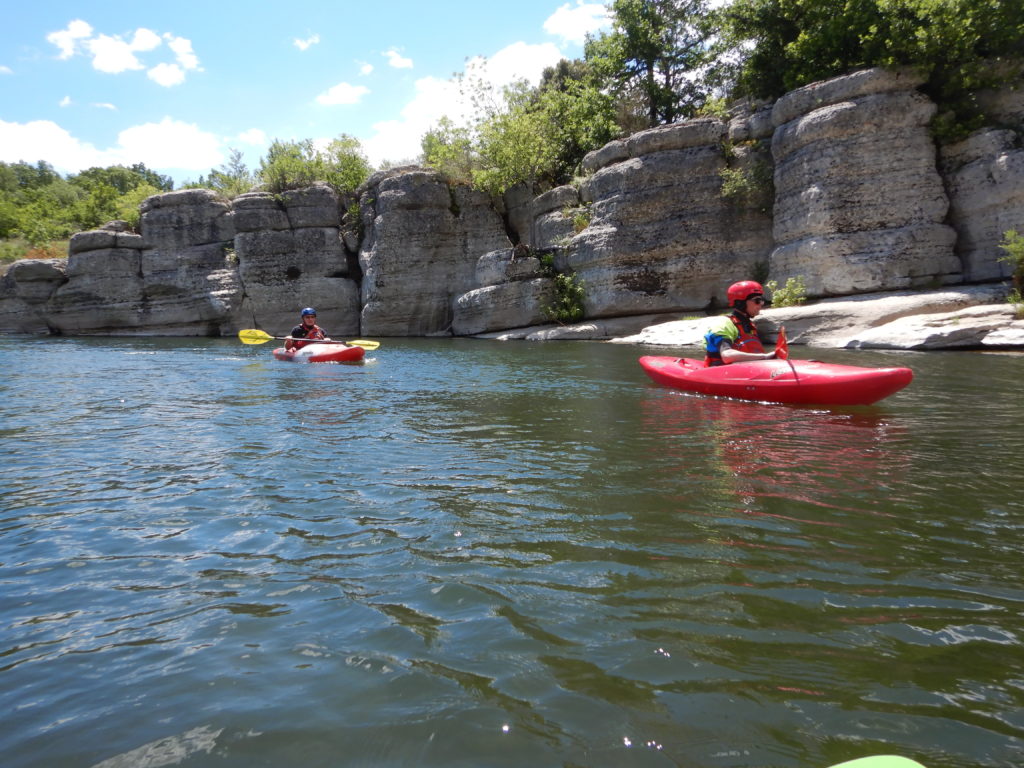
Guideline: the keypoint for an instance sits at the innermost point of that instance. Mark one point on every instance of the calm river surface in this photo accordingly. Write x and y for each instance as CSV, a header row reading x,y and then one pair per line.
x,y
472,553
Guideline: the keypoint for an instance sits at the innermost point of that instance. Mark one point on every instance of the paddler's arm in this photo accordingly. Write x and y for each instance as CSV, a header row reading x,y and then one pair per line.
x,y
730,355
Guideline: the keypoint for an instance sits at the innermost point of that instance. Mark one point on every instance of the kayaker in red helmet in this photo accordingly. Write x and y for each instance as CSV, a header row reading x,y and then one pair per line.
x,y
733,338
307,329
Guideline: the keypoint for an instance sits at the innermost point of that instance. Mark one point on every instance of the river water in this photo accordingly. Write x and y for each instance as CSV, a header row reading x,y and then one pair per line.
x,y
471,553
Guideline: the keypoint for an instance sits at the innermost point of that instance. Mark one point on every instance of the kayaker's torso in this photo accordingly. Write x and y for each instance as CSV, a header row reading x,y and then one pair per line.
x,y
735,330
303,331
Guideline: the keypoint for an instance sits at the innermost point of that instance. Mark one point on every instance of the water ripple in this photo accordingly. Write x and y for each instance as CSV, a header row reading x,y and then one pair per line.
x,y
499,554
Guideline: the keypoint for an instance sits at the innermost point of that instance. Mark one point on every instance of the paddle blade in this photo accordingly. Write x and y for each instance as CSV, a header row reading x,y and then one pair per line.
x,y
253,336
781,345
363,343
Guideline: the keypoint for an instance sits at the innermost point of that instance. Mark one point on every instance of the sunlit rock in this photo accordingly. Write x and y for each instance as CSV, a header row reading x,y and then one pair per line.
x,y
661,236
420,250
985,178
859,204
25,288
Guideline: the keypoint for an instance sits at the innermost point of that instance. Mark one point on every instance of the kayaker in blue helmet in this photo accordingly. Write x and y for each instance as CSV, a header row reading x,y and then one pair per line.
x,y
733,338
307,329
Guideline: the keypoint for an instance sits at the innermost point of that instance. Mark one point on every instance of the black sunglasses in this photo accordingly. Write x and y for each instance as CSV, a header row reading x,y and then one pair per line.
x,y
757,299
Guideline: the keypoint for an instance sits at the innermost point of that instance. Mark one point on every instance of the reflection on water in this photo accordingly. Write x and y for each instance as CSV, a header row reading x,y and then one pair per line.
x,y
492,554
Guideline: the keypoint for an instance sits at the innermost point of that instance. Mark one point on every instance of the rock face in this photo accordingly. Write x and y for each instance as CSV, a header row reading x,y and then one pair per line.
x,y
512,293
661,236
422,243
200,267
836,183
290,254
859,204
24,290
985,178
175,279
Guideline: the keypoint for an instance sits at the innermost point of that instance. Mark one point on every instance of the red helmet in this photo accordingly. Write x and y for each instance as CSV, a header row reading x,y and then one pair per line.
x,y
743,290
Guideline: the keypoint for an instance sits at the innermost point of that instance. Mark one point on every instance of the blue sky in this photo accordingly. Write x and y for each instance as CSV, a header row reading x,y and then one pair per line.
x,y
176,85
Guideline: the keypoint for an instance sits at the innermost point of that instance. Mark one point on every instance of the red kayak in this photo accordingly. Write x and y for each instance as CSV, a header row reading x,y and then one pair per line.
x,y
321,353
803,382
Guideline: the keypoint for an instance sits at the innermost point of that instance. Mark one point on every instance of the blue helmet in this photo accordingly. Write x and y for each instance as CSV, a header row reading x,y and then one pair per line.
x,y
308,311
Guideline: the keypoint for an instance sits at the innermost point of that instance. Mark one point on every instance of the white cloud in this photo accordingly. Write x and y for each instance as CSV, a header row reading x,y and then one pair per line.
x,y
67,39
400,139
45,139
396,60
105,105
342,93
254,137
113,54
397,140
145,40
166,75
6,70
517,62
183,53
365,68
169,144
66,101
573,23
303,45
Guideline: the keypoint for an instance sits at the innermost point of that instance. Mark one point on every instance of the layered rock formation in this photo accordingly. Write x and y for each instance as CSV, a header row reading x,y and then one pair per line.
x,y
25,288
175,279
420,249
859,204
512,292
290,253
661,235
985,178
836,183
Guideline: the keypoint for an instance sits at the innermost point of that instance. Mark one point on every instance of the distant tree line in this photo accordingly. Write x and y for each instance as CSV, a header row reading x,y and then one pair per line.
x,y
660,61
40,209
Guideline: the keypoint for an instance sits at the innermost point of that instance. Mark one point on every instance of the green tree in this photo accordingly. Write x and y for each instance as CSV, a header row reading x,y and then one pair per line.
x,y
652,56
39,207
346,163
8,216
34,176
152,178
580,113
127,205
97,207
230,179
449,149
783,44
291,165
522,134
296,164
514,144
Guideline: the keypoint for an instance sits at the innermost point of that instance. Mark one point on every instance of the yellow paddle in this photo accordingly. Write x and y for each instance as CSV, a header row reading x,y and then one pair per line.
x,y
254,336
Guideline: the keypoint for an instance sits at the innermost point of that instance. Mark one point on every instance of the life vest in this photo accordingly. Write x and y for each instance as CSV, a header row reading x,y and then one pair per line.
x,y
316,332
746,339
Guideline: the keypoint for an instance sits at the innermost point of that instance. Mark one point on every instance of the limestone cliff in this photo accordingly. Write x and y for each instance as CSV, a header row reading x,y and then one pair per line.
x,y
859,203
838,183
421,243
